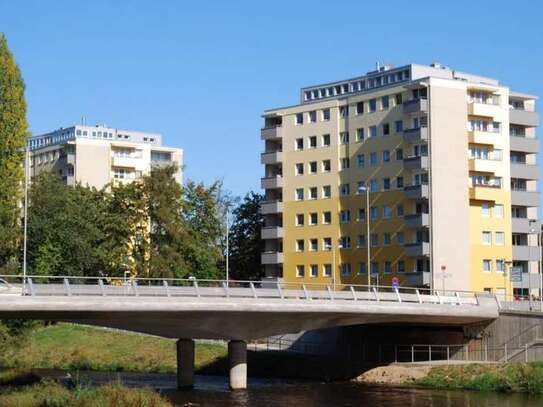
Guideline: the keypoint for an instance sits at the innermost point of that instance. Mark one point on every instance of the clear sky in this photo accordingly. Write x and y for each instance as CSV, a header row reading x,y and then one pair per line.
x,y
202,72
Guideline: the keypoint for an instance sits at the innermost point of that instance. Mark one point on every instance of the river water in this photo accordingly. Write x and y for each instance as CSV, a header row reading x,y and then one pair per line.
x,y
213,391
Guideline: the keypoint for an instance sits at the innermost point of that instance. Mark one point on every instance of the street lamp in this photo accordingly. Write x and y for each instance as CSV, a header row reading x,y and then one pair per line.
x,y
27,158
361,189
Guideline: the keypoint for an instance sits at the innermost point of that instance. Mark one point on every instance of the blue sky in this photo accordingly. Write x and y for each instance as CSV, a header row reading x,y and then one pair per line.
x,y
202,72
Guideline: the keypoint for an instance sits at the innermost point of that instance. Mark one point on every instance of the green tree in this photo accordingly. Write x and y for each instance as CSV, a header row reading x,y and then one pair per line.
x,y
246,245
13,137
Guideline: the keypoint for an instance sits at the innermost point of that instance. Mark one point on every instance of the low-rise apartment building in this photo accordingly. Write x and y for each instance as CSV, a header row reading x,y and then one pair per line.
x,y
448,160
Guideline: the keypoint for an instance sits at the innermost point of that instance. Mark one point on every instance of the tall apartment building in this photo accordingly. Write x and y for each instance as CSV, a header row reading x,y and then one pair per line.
x,y
449,160
98,155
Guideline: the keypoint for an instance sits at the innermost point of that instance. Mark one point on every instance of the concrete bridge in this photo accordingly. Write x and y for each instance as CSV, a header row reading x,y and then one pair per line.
x,y
236,310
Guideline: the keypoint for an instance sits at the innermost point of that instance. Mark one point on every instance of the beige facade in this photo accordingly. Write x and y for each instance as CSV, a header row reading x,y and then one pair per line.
x,y
449,160
97,156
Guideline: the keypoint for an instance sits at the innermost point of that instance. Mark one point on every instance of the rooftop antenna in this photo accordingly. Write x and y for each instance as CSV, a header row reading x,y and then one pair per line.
x,y
83,121
377,66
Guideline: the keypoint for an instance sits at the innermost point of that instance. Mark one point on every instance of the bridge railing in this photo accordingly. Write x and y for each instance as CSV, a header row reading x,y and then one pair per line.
x,y
191,287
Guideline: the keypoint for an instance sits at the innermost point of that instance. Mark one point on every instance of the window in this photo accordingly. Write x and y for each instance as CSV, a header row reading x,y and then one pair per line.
x,y
373,105
374,185
299,219
485,210
386,129
327,270
300,245
313,245
399,210
374,213
313,271
374,159
498,211
360,108
325,140
360,160
326,166
300,169
385,103
313,167
361,269
312,116
500,238
386,184
313,193
400,238
344,163
386,239
313,142
374,239
327,244
486,238
345,269
299,194
325,115
386,156
344,189
360,134
344,137
387,212
326,191
388,267
344,111
300,271
344,242
399,182
327,218
399,126
398,98
374,267
299,144
487,266
373,131
500,266
361,242
345,216
313,218
299,118
399,154
361,214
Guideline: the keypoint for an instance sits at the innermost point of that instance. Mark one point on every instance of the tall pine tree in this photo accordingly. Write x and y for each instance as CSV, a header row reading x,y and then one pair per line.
x,y
13,138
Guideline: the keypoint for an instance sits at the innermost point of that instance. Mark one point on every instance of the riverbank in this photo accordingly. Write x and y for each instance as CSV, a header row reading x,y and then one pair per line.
x,y
496,377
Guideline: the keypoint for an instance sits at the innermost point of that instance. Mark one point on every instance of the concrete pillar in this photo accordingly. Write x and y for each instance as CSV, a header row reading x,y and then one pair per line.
x,y
185,363
237,358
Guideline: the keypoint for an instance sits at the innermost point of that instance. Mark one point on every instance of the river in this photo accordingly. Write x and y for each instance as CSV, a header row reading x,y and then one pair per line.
x,y
213,391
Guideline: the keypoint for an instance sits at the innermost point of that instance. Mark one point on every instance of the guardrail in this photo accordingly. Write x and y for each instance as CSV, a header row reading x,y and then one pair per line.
x,y
151,287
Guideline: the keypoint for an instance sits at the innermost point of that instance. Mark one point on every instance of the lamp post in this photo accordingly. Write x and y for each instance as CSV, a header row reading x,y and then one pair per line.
x,y
361,189
227,247
27,157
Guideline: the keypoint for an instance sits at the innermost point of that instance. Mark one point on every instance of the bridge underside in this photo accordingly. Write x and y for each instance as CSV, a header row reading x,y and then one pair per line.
x,y
233,318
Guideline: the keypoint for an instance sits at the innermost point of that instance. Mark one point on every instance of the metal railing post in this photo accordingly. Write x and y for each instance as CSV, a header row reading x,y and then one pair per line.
x,y
31,286
306,293
67,287
166,287
412,353
225,287
429,353
458,298
330,292
353,292
448,353
101,284
375,293
196,288
280,290
418,296
253,289
135,288
397,294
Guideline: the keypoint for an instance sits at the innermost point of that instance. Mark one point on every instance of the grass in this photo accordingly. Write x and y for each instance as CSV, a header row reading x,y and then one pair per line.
x,y
51,394
76,347
509,377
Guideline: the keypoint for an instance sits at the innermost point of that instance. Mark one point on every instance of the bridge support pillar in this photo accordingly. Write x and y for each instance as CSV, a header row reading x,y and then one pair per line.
x,y
185,363
237,358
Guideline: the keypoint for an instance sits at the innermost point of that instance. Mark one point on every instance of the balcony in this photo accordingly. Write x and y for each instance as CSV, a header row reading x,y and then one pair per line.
x,y
415,163
271,133
524,144
272,258
416,135
126,162
418,220
420,249
271,232
271,182
480,165
274,157
525,225
524,198
483,192
524,171
483,109
415,106
526,253
523,117
416,191
483,137
418,279
270,207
